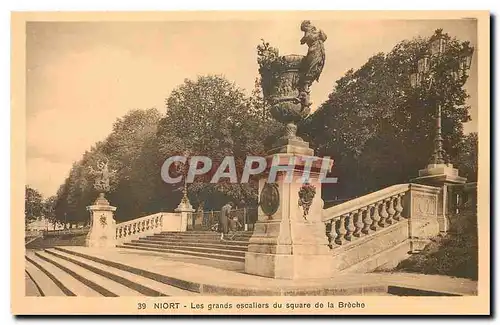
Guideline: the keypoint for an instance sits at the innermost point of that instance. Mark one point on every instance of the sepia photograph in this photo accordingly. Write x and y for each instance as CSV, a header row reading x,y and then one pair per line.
x,y
250,163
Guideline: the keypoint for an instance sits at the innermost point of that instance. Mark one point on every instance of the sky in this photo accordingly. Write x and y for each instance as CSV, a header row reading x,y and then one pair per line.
x,y
82,76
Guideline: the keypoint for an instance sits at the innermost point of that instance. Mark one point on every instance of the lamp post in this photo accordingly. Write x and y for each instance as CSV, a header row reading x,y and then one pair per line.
x,y
426,76
435,69
184,208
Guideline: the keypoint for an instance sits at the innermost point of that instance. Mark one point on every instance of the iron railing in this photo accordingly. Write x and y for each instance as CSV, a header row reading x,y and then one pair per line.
x,y
208,220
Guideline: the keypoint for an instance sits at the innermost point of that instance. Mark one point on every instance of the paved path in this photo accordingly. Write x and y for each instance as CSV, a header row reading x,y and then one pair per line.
x,y
192,270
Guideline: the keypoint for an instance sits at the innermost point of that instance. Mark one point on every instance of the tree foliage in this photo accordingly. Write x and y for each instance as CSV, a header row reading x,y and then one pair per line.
x,y
379,129
467,157
33,204
211,117
208,116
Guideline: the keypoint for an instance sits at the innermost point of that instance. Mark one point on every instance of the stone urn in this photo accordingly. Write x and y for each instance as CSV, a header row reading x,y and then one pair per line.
x,y
287,100
283,90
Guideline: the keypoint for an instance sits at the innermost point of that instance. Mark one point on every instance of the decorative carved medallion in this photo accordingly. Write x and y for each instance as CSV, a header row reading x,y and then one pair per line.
x,y
306,196
270,198
102,220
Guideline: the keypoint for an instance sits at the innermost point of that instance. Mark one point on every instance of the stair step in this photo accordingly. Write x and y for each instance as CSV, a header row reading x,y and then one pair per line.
x,y
198,241
205,234
191,249
221,245
74,286
214,235
103,285
155,288
45,284
201,232
184,252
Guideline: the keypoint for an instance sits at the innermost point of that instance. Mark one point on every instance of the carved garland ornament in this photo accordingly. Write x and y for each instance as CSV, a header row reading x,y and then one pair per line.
x,y
102,220
306,196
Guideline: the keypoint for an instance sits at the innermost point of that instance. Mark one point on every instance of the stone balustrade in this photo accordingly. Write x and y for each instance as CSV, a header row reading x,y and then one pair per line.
x,y
364,215
148,225
355,219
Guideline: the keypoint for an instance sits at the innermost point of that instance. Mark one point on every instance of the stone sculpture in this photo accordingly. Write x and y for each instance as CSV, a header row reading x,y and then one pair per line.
x,y
286,80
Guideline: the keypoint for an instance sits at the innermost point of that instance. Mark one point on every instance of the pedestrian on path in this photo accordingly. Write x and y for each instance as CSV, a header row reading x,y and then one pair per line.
x,y
224,218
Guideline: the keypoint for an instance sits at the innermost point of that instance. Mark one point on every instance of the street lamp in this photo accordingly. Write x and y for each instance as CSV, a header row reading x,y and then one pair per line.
x,y
183,168
426,65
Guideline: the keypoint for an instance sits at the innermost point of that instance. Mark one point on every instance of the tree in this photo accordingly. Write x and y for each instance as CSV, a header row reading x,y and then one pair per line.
x,y
137,170
467,158
380,130
33,204
49,209
211,117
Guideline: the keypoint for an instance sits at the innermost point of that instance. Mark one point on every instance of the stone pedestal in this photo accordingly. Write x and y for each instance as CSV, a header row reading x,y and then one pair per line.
x,y
440,175
294,145
102,224
184,209
289,240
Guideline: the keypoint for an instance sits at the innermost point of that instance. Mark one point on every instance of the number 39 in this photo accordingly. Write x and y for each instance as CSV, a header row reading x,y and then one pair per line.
x,y
141,305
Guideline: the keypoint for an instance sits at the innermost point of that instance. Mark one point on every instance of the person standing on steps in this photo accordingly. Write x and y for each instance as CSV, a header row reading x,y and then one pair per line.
x,y
234,226
224,218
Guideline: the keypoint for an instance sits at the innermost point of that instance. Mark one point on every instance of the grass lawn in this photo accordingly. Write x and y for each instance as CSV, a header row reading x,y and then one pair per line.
x,y
62,240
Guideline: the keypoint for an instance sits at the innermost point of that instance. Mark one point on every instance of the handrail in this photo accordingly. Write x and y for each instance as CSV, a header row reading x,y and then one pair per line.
x,y
138,227
369,213
363,201
124,223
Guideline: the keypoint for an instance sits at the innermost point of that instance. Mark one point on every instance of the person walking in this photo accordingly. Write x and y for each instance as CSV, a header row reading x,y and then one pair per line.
x,y
224,218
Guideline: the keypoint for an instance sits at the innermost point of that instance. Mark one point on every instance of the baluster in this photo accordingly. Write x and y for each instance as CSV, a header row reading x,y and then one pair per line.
x,y
330,232
349,226
397,207
375,216
390,219
367,221
383,214
358,223
135,227
341,230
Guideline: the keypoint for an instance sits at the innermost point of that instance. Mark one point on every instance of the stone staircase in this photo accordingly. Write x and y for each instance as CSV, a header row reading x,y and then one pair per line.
x,y
86,272
61,272
205,244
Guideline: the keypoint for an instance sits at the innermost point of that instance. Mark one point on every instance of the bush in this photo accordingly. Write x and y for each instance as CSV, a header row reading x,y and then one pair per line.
x,y
455,254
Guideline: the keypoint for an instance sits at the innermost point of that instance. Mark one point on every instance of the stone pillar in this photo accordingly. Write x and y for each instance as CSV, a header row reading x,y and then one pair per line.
x,y
102,224
440,175
289,240
184,209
